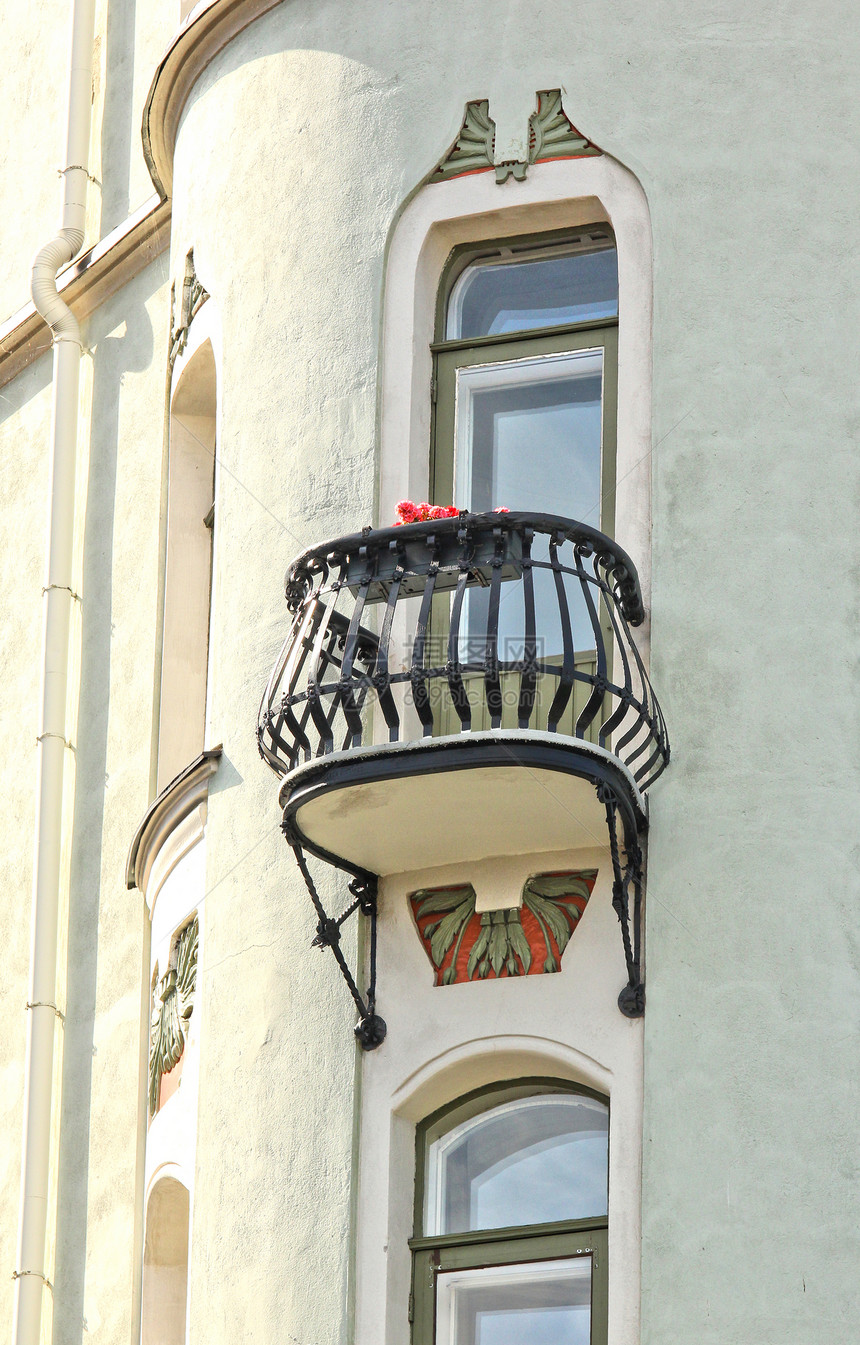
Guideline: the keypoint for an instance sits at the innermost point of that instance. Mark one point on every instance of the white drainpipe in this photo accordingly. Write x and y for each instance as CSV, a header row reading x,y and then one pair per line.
x,y
31,1274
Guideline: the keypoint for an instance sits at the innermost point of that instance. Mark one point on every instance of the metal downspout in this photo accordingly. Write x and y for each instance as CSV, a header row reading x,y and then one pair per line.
x,y
42,1011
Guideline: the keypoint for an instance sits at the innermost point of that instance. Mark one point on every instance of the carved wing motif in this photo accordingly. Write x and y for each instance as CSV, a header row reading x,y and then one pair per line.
x,y
474,147
552,135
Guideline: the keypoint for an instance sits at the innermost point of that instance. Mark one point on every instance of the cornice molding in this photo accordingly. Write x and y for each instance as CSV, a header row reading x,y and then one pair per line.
x,y
88,282
185,795
205,32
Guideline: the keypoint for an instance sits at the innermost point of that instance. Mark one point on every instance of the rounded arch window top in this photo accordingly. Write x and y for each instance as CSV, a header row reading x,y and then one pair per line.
x,y
529,1154
533,285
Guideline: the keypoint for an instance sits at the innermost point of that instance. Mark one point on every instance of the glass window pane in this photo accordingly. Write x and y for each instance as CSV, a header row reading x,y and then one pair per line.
x,y
528,436
491,298
532,1161
537,1303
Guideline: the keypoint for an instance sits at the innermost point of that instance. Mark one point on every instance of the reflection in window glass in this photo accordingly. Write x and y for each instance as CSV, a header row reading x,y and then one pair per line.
x,y
492,298
542,1303
528,436
536,1160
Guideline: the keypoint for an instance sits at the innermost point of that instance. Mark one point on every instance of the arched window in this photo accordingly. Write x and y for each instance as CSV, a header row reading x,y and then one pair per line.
x,y
187,581
511,1218
165,1264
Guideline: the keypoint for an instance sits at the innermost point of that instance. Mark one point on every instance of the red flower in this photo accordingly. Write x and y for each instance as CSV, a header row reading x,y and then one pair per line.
x,y
406,512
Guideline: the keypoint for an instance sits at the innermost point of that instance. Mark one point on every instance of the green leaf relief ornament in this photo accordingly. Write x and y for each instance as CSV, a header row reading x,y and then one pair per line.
x,y
465,945
173,1003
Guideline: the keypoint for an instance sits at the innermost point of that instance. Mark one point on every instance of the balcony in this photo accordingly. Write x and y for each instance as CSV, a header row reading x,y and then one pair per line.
x,y
455,689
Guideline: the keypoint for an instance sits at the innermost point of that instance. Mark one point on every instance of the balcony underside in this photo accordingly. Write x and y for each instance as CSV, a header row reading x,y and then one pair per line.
x,y
462,798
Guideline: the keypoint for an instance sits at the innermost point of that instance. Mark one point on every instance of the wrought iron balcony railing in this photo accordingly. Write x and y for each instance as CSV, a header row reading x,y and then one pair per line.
x,y
482,621
498,639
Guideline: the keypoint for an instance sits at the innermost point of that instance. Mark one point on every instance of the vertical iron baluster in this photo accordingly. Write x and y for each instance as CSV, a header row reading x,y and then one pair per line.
x,y
643,719
302,651
420,698
565,686
333,666
455,680
491,648
381,679
624,693
595,700
528,676
351,712
318,663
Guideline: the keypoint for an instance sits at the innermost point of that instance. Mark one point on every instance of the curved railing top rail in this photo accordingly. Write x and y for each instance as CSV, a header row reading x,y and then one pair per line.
x,y
532,632
612,557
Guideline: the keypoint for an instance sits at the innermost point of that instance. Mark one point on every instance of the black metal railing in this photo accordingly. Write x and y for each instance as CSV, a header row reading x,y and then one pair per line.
x,y
481,621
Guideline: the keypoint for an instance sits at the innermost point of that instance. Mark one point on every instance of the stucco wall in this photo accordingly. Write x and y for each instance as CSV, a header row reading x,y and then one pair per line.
x,y
300,144
24,447
99,1177
119,485
129,39
297,148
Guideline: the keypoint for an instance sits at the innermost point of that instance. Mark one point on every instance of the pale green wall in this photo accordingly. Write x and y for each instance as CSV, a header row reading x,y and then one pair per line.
x,y
120,466
296,150
24,445
101,1112
298,147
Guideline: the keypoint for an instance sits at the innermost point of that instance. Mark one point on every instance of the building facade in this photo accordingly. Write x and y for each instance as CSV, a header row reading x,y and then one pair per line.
x,y
428,1000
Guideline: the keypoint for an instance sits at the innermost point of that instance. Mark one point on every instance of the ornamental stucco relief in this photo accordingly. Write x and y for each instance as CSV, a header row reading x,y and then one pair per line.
x,y
173,1004
466,945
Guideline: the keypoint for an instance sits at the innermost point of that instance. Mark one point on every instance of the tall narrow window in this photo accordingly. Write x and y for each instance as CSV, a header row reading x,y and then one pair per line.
x,y
525,379
511,1219
165,1264
187,582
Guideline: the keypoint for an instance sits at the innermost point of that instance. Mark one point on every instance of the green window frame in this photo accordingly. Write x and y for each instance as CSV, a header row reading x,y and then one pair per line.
x,y
498,1247
449,356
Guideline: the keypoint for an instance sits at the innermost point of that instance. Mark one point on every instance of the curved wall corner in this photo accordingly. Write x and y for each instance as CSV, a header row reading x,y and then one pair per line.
x,y
298,153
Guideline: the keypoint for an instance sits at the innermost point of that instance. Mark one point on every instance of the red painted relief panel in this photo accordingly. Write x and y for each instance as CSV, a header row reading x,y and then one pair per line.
x,y
466,945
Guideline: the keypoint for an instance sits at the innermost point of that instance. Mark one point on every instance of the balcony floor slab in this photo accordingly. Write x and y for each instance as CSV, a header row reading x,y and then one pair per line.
x,y
469,797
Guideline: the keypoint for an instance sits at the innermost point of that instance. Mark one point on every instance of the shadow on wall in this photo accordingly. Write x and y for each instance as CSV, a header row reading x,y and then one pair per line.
x,y
114,356
119,119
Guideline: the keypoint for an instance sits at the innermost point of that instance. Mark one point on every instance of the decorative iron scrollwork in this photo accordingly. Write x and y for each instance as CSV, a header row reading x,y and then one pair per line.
x,y
627,876
173,1004
370,1030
